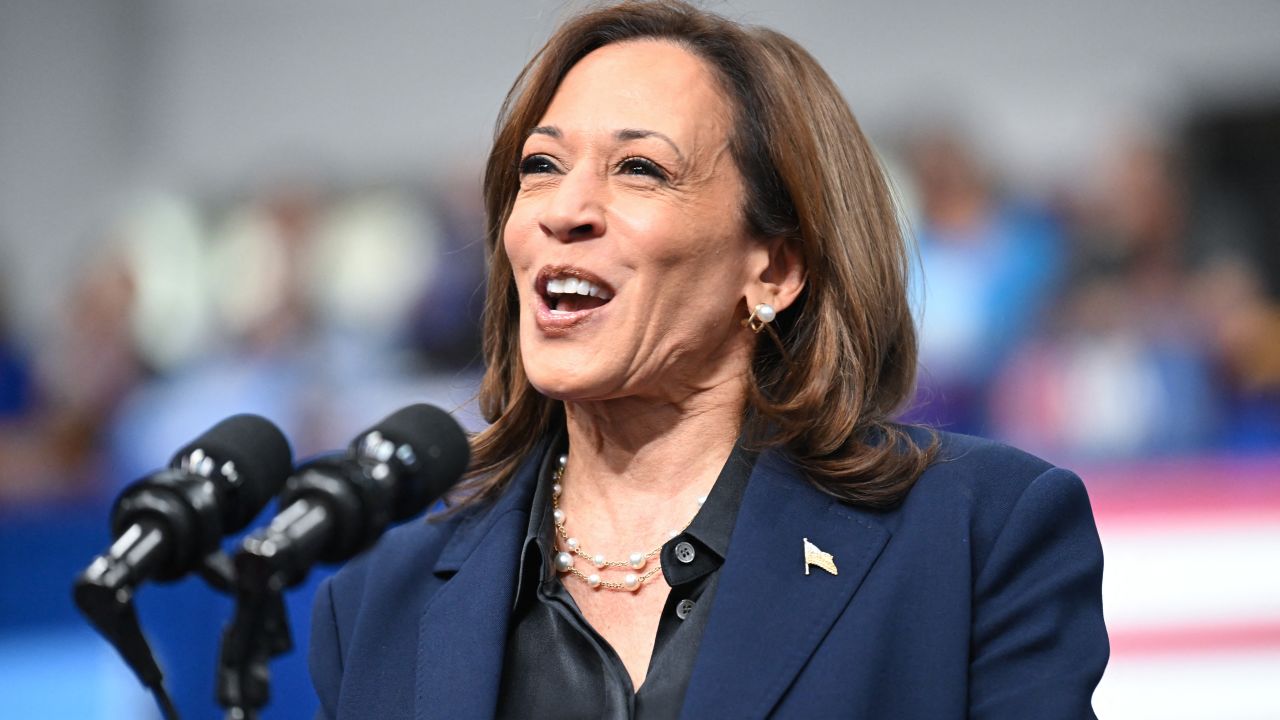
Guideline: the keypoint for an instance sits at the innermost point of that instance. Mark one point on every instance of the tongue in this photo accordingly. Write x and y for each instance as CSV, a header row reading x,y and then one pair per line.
x,y
574,303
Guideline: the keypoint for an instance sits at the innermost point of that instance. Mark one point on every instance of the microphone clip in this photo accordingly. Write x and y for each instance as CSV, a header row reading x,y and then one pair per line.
x,y
258,632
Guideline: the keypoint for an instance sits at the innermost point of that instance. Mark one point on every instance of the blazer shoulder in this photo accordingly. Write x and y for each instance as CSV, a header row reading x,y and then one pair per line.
x,y
977,466
970,455
989,481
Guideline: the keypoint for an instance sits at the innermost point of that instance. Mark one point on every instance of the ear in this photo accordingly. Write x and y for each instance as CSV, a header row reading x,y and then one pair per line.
x,y
780,277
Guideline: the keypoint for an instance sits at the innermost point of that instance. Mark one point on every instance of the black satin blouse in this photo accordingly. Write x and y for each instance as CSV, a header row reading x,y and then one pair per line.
x,y
557,666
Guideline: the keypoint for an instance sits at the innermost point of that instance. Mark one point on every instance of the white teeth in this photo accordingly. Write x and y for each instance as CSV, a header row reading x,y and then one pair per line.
x,y
576,286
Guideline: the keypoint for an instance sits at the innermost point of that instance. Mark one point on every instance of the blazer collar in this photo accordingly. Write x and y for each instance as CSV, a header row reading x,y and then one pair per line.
x,y
463,628
475,524
764,598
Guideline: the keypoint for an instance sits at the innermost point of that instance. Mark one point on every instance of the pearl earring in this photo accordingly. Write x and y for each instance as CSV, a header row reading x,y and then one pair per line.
x,y
762,315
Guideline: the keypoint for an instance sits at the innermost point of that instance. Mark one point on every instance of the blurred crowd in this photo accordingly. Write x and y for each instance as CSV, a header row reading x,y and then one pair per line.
x,y
1129,317
1133,317
319,308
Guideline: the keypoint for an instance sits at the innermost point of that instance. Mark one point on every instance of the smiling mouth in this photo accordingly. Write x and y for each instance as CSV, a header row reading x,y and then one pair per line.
x,y
567,291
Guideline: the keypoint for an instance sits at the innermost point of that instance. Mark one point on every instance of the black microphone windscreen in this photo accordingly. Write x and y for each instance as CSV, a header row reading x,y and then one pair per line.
x,y
441,449
260,461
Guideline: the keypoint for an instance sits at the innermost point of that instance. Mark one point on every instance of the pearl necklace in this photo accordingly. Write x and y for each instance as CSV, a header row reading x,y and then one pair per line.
x,y
564,559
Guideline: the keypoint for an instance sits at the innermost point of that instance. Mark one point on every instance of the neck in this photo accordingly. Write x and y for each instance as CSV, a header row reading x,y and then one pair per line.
x,y
641,464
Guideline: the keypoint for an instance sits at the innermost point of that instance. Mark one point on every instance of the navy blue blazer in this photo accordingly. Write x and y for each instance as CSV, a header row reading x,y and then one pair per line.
x,y
979,596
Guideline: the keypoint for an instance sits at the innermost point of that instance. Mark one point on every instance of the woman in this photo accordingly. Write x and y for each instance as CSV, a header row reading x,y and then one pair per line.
x,y
691,501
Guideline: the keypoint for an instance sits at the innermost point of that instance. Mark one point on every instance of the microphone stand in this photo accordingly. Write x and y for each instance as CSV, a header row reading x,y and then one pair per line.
x,y
104,594
264,566
113,614
258,632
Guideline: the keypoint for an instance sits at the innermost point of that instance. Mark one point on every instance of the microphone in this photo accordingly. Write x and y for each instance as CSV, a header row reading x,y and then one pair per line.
x,y
336,506
172,522
167,523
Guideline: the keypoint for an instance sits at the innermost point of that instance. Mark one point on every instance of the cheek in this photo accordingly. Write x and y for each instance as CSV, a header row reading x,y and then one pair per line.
x,y
707,264
671,239
516,240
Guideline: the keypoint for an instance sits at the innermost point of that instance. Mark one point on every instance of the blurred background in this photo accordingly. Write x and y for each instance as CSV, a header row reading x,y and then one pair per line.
x,y
273,207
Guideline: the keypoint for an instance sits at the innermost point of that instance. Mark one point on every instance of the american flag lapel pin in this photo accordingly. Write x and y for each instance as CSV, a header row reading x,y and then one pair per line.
x,y
813,555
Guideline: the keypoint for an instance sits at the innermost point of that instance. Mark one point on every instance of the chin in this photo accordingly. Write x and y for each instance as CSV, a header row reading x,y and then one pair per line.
x,y
565,381
569,371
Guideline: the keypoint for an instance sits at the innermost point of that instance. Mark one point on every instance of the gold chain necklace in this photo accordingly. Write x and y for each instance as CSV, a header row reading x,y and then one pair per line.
x,y
564,560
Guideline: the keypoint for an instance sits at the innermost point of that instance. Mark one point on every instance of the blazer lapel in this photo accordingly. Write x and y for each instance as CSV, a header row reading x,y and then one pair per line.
x,y
768,616
463,629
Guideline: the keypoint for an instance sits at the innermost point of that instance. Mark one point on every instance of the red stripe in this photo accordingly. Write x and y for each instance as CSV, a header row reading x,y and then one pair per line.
x,y
1188,639
1189,490
1117,524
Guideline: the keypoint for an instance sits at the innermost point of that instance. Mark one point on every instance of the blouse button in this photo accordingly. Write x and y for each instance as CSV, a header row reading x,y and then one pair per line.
x,y
685,553
684,608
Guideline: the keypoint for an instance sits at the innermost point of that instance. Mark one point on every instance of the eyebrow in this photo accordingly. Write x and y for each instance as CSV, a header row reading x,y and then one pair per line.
x,y
623,135
635,134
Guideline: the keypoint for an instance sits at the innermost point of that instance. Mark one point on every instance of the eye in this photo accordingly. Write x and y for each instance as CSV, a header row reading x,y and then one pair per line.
x,y
537,165
641,166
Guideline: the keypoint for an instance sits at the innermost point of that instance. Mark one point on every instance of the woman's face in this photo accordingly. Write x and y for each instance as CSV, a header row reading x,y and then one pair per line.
x,y
627,239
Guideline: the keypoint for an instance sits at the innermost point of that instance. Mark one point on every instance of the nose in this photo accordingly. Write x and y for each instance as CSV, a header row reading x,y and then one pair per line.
x,y
576,210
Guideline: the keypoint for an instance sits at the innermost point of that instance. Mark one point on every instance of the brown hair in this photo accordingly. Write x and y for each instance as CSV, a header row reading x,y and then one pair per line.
x,y
845,353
